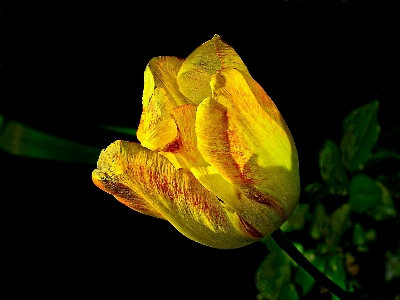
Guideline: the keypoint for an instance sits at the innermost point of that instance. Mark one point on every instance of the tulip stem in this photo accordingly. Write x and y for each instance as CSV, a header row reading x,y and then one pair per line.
x,y
286,245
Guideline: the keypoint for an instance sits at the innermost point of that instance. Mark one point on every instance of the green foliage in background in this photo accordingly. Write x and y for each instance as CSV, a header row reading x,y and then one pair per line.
x,y
338,216
336,224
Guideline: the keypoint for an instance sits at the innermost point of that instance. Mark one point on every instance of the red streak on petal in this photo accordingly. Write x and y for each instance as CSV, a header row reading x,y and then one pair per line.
x,y
250,229
173,146
126,196
255,195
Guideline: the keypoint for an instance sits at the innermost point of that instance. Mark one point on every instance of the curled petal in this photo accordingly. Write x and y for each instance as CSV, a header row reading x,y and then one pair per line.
x,y
160,95
242,135
161,72
149,183
195,73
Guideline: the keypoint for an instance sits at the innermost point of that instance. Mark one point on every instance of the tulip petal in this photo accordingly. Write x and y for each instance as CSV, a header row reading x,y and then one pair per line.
x,y
242,135
149,183
195,73
160,95
161,72
189,157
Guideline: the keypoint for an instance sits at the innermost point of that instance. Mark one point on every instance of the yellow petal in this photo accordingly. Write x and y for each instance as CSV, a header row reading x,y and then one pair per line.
x,y
195,73
242,134
189,157
157,128
111,177
141,175
160,95
161,72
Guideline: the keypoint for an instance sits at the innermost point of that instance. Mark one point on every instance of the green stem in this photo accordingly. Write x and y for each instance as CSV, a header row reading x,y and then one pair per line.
x,y
286,245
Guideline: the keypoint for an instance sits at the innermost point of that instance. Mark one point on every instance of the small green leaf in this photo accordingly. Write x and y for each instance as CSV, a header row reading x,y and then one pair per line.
x,y
288,292
336,271
392,265
297,220
305,280
320,223
361,237
332,169
273,275
382,154
385,208
313,188
360,133
317,191
364,193
339,223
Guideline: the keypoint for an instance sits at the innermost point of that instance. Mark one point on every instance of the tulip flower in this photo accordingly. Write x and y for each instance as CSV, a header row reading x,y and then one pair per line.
x,y
216,159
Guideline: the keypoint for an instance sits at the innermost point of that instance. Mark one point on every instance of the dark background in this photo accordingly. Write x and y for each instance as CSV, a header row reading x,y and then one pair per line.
x,y
65,67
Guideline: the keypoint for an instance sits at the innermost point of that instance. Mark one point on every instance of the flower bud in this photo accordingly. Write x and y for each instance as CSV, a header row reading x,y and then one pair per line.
x,y
216,159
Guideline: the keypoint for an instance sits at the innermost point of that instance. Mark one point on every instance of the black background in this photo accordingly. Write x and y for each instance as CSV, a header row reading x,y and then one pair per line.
x,y
68,66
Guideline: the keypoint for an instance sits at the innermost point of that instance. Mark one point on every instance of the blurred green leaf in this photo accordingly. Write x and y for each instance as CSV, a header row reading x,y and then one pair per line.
x,y
124,130
330,227
273,275
336,271
313,188
385,208
320,225
392,265
360,133
332,170
288,292
339,223
361,237
303,278
21,140
364,193
382,154
297,220
317,191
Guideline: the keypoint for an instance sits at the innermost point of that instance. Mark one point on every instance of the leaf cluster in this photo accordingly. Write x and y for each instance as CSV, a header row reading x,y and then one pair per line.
x,y
341,222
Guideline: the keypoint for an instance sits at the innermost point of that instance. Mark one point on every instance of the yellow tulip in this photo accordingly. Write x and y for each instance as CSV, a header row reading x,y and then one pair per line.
x,y
216,158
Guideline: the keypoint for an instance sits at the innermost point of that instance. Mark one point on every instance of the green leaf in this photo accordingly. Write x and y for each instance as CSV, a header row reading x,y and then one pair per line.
x,y
361,237
273,275
305,280
317,191
364,193
385,208
123,130
330,227
392,265
335,270
360,133
332,170
297,220
320,225
382,154
339,223
313,188
288,292
21,140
